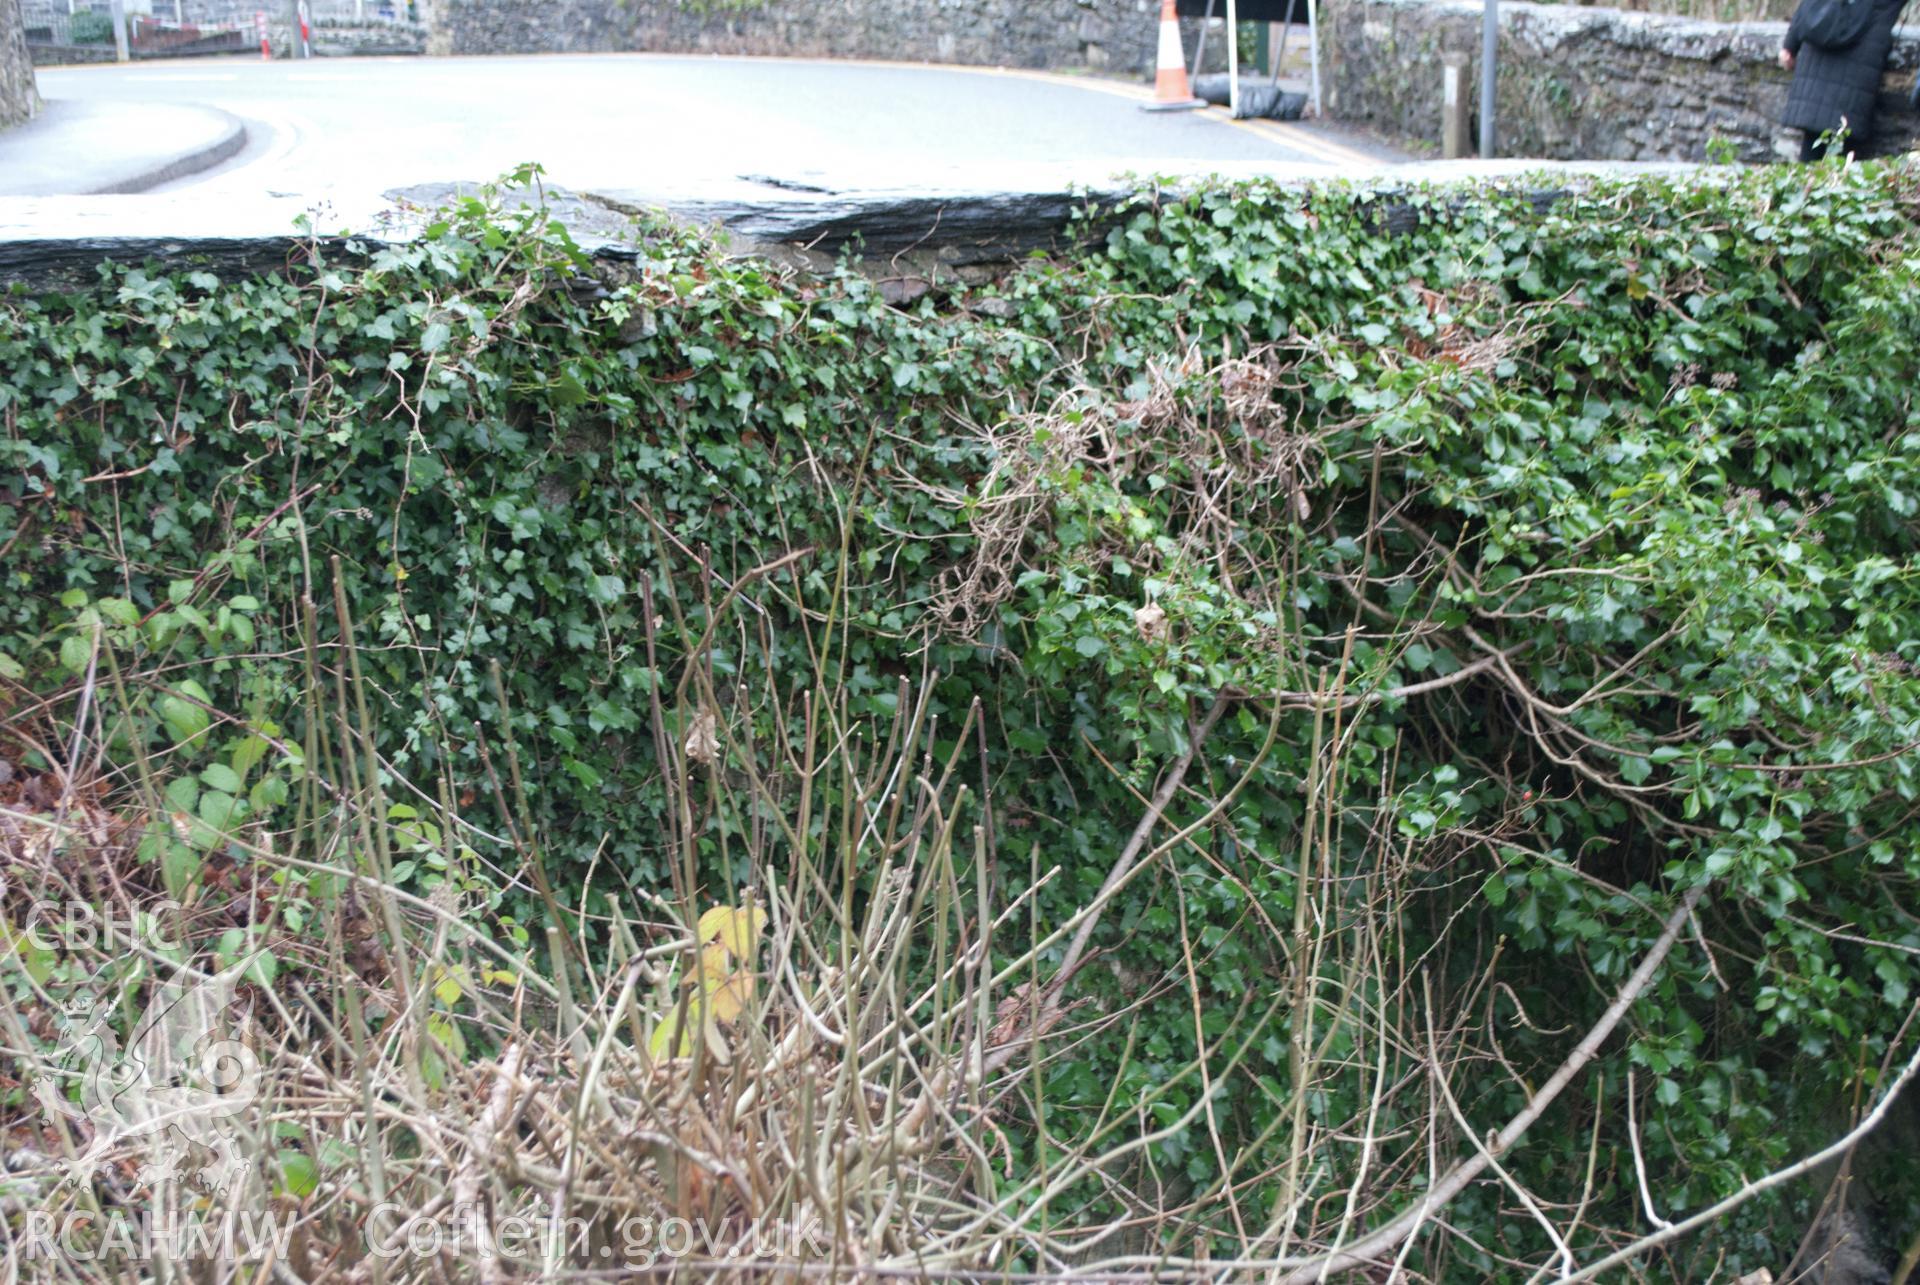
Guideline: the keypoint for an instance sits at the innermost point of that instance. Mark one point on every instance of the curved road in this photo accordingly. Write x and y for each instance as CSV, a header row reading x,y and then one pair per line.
x,y
682,123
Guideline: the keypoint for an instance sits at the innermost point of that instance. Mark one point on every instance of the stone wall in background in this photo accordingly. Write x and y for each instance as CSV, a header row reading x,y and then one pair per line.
x,y
1111,34
345,38
19,100
70,55
1585,84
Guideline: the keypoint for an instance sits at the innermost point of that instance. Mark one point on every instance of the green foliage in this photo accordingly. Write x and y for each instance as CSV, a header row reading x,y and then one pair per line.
x,y
90,28
1599,518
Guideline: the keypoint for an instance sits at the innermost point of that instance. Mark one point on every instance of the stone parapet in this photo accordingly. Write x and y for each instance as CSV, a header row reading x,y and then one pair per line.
x,y
1097,34
1586,83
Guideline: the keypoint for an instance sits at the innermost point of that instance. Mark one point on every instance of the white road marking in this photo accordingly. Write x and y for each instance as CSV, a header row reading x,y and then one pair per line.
x,y
179,77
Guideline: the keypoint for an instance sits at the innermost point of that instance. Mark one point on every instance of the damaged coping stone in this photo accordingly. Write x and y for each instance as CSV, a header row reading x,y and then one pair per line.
x,y
907,241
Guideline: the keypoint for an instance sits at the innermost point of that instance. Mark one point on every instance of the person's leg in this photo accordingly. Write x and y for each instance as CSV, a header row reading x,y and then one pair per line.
x,y
1809,146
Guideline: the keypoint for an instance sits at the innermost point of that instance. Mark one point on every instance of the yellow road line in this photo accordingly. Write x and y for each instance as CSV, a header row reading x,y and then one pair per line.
x,y
1099,85
1299,137
1325,148
1287,134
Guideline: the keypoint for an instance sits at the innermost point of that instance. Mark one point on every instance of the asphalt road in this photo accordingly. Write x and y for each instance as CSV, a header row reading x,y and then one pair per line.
x,y
670,123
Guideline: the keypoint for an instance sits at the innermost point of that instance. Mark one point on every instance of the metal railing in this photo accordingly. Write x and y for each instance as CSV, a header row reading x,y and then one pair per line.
x,y
83,29
336,12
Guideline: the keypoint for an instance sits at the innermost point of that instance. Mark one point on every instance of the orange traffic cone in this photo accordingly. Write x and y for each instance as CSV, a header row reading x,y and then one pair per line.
x,y
1171,93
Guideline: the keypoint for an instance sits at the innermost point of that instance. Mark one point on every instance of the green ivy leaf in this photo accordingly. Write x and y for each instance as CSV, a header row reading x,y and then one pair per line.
x,y
186,722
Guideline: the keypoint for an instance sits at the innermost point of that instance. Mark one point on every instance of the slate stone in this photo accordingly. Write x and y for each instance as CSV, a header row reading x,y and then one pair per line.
x,y
1589,82
912,240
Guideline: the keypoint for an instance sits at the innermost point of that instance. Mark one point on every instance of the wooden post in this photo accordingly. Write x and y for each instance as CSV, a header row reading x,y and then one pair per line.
x,y
1456,115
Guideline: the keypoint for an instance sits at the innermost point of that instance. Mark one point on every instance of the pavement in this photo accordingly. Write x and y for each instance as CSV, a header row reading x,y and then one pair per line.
x,y
935,168
668,124
105,147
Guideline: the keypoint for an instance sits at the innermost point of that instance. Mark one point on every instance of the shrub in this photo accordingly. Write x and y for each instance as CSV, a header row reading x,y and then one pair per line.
x,y
89,28
1375,634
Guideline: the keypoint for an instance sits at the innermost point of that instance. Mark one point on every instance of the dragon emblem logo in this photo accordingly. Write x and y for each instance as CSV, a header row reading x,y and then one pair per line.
x,y
181,1079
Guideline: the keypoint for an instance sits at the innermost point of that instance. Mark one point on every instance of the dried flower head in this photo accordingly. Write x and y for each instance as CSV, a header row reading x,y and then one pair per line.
x,y
703,738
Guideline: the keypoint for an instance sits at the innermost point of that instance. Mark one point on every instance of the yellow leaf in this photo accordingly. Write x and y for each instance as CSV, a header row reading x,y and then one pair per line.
x,y
447,989
729,999
715,977
724,990
668,1039
732,999
714,967
736,930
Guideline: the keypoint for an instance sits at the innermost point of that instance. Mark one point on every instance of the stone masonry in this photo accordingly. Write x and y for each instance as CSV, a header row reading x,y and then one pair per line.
x,y
19,100
1588,84
1115,34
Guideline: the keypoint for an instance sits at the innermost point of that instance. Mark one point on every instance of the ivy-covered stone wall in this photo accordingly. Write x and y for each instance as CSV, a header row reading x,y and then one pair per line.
x,y
1586,84
1481,596
1116,34
18,98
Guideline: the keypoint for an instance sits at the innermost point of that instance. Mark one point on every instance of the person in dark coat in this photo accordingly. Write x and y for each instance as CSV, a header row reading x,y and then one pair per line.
x,y
1835,89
